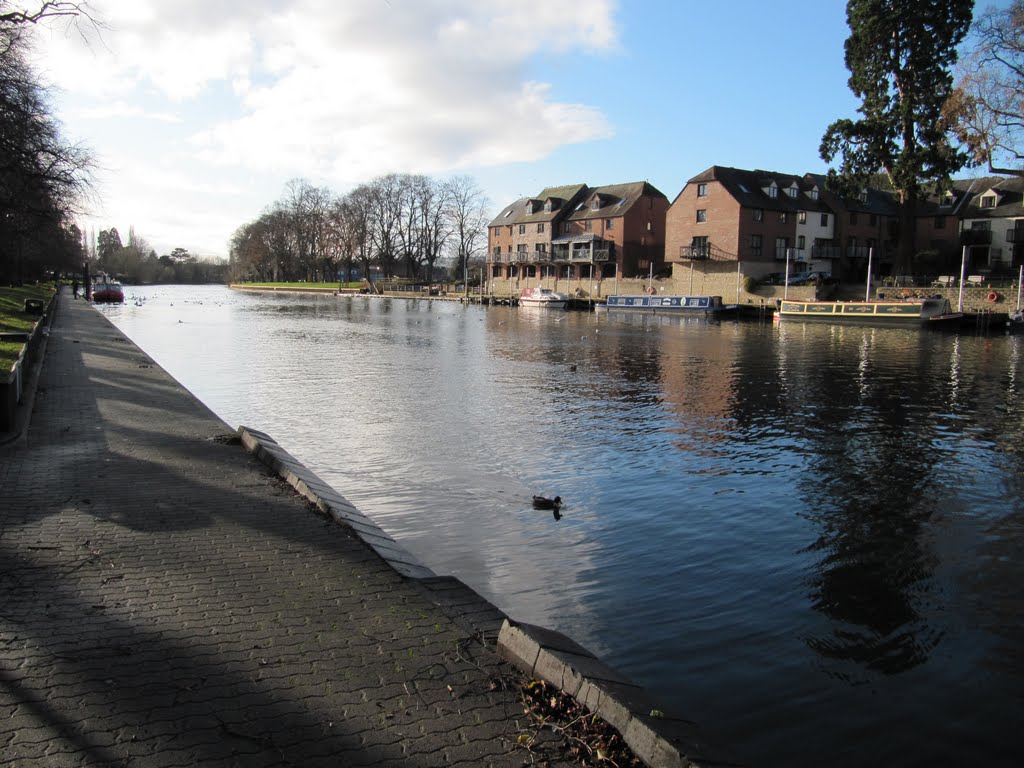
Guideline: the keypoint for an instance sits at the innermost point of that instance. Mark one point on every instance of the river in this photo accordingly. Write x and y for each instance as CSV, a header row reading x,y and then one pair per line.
x,y
807,538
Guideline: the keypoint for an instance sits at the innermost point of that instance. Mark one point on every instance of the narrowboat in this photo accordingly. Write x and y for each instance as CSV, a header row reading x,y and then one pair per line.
x,y
698,305
933,311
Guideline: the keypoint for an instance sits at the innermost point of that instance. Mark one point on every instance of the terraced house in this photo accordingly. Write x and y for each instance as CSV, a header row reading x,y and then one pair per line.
x,y
982,219
577,233
763,219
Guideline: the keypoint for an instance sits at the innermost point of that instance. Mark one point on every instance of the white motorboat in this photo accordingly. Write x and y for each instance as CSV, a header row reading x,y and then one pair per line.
x,y
543,297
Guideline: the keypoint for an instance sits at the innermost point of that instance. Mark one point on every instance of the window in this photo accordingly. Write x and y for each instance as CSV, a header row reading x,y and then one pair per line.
x,y
792,192
801,217
801,242
940,222
566,228
650,226
814,194
702,215
510,249
781,247
522,229
872,219
783,217
540,226
702,190
773,191
988,201
521,248
547,206
824,219
595,203
609,223
586,225
759,214
542,247
497,250
853,217
755,246
510,230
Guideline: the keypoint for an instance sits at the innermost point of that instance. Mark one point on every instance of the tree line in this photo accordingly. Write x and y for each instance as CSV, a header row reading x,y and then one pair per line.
x,y
136,262
397,225
45,180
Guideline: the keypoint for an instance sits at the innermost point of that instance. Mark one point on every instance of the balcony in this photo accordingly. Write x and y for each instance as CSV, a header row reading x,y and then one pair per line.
x,y
861,252
580,255
704,252
976,237
826,252
795,254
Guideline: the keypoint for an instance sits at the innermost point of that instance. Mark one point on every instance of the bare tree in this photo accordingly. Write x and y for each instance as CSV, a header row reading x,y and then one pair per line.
x,y
359,210
986,109
467,211
44,180
435,223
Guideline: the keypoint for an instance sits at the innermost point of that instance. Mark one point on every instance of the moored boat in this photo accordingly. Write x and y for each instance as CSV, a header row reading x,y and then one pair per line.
x,y
543,297
701,305
107,290
933,311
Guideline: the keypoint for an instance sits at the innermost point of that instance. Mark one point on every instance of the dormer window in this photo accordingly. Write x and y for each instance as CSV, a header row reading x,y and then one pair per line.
x,y
595,203
863,196
947,199
548,206
773,191
791,191
529,207
988,201
814,193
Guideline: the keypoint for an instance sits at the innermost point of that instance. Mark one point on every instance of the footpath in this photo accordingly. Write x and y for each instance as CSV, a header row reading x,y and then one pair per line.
x,y
168,598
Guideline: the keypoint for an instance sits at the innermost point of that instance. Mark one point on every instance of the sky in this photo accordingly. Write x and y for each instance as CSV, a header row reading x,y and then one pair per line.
x,y
199,112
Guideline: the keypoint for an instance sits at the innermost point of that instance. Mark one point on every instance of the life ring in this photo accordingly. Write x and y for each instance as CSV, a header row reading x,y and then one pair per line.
x,y
993,296
649,290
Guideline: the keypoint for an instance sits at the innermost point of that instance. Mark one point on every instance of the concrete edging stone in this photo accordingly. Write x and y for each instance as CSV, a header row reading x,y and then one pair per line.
x,y
660,741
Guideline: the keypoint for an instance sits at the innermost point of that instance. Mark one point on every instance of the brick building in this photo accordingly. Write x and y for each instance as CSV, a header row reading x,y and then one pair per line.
x,y
576,232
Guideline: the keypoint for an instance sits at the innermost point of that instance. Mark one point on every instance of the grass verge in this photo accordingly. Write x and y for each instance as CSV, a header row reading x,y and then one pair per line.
x,y
14,319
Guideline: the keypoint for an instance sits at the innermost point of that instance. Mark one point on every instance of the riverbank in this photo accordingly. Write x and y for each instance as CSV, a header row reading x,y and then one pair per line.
x,y
171,602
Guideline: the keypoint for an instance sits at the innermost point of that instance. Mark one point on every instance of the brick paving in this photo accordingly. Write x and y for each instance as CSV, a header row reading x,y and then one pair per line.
x,y
167,601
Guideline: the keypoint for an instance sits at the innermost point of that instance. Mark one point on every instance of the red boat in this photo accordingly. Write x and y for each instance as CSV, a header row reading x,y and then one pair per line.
x,y
106,290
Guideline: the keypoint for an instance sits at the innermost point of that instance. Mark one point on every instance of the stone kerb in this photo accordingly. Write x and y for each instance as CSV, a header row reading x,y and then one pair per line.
x,y
660,741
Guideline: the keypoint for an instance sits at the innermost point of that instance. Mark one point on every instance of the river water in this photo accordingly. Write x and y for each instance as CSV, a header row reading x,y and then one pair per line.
x,y
807,538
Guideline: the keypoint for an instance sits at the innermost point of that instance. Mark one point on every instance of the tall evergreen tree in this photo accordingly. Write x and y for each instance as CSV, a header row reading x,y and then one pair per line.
x,y
900,54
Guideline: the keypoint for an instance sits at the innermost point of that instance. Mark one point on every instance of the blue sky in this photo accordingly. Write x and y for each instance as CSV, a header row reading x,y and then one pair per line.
x,y
200,111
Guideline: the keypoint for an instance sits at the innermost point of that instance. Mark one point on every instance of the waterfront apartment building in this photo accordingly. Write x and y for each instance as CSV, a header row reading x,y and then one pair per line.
x,y
578,232
760,219
979,219
765,219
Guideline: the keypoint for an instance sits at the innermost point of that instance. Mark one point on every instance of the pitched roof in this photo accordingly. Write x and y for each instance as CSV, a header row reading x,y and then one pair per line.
x,y
517,212
748,188
614,199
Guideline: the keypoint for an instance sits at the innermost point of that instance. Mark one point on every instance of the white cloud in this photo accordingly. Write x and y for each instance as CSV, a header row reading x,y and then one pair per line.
x,y
339,92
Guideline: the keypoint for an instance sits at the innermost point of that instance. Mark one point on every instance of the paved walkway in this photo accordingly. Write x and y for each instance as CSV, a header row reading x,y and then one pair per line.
x,y
166,601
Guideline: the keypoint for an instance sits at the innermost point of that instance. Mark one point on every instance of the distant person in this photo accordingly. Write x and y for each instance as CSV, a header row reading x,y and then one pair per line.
x,y
74,288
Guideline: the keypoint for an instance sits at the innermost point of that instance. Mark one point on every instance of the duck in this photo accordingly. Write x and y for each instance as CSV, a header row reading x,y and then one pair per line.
x,y
542,502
